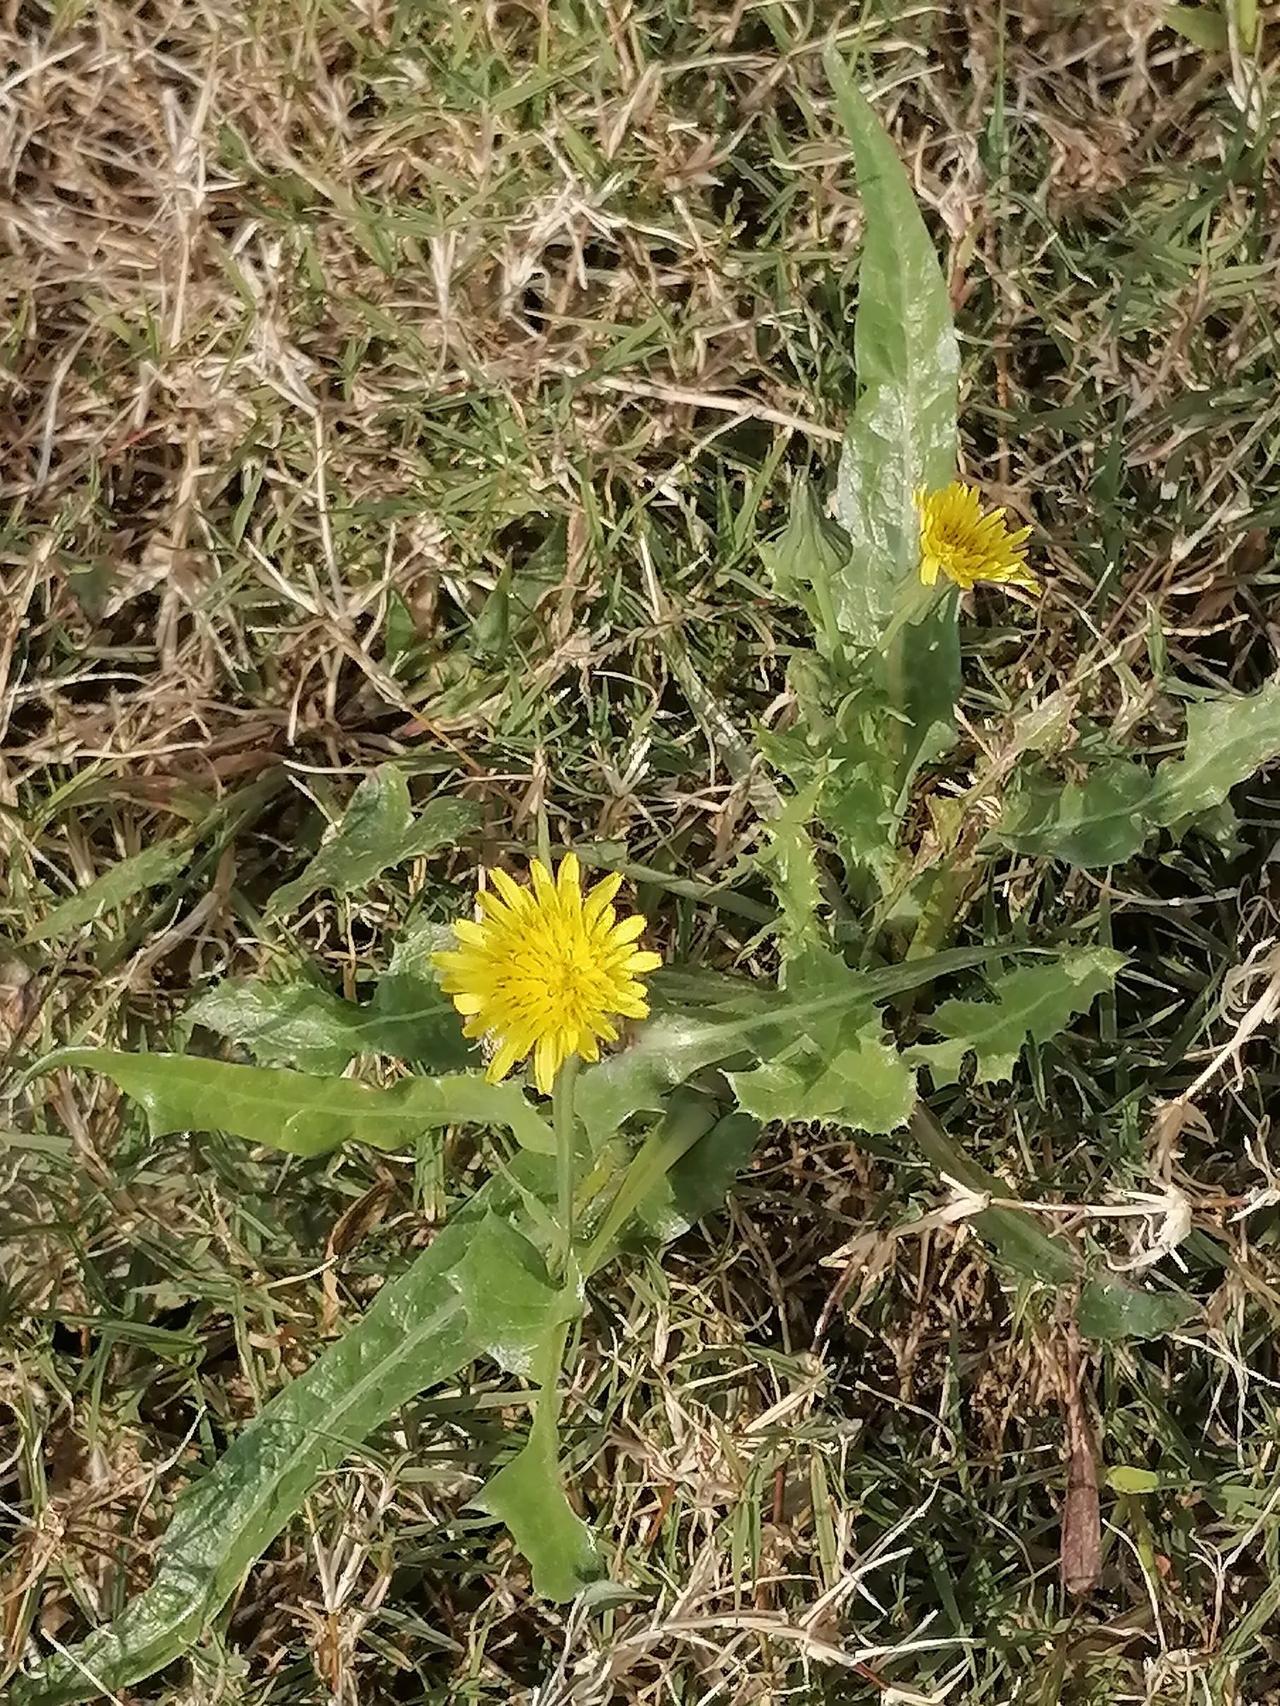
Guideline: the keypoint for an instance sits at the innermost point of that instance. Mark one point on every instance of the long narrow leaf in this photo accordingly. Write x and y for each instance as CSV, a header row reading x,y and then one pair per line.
x,y
902,435
301,1113
479,1289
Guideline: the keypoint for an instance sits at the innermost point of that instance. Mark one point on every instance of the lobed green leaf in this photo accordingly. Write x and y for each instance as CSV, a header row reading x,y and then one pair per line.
x,y
1033,1002
1116,810
378,830
1228,739
828,1056
1103,820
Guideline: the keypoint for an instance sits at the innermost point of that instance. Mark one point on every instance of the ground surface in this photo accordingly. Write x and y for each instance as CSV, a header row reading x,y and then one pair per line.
x,y
418,381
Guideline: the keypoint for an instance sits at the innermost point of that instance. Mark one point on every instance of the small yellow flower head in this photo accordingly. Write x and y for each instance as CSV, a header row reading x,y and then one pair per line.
x,y
959,540
543,967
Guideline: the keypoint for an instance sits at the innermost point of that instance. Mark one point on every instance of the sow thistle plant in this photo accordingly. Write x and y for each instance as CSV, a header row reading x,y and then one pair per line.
x,y
650,1084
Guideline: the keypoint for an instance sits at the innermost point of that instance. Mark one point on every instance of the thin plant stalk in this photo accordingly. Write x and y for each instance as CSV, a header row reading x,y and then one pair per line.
x,y
564,1126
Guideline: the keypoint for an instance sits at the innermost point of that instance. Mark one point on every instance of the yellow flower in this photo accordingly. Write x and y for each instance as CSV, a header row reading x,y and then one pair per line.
x,y
959,540
543,967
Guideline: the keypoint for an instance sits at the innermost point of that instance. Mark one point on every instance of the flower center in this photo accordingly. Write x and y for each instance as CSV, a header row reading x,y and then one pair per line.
x,y
952,549
558,986
568,984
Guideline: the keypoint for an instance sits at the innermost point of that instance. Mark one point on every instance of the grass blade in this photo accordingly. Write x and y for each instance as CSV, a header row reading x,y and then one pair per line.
x,y
145,870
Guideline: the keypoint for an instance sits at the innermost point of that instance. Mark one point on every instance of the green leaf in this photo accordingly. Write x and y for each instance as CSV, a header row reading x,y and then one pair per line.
x,y
928,667
860,804
399,634
1203,26
491,630
903,432
791,862
1101,821
1109,1308
1120,806
1220,826
413,1018
510,1301
1033,1002
1128,1478
882,700
440,823
414,1334
828,1058
410,1018
145,870
519,1316
378,830
1019,1239
669,1049
901,438
280,1024
1112,1310
300,1113
528,1495
679,1174
849,1074
845,767
299,1025
697,1184
1228,739
364,844
835,1064
703,1021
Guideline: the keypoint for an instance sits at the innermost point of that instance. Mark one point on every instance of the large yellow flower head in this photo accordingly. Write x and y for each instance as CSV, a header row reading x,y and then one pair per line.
x,y
543,968
967,544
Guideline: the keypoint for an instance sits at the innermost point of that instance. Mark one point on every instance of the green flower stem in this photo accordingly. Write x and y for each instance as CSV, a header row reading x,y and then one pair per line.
x,y
912,605
565,1127
545,1374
